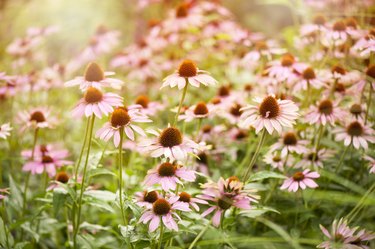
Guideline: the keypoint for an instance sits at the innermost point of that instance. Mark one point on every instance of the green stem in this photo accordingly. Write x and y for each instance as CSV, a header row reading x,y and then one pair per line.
x,y
358,207
317,143
5,228
342,159
196,138
181,102
199,236
255,156
82,149
161,233
120,176
368,103
83,183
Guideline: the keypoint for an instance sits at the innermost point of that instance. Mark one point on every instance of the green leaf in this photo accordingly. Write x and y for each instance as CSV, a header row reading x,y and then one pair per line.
x,y
15,197
99,172
3,235
261,175
253,213
103,195
58,201
21,245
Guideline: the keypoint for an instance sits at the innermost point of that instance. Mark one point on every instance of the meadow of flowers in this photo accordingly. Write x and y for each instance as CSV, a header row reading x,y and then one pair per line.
x,y
191,130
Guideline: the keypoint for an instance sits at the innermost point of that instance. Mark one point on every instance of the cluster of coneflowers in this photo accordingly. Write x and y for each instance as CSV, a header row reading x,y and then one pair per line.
x,y
283,107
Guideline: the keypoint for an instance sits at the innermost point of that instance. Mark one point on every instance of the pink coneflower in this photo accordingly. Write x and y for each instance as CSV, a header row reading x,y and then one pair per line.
x,y
61,178
199,111
313,158
193,202
357,110
5,130
4,192
300,180
169,143
182,18
290,143
372,163
96,103
122,119
94,77
277,161
284,69
36,118
164,209
270,113
342,236
262,49
355,133
188,73
335,36
309,78
46,161
147,107
168,175
226,194
146,198
364,46
325,112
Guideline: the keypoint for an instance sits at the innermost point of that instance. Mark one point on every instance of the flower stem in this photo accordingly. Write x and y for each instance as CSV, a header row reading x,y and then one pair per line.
x,y
161,233
317,143
4,226
342,159
199,236
196,139
181,102
120,176
82,149
76,229
255,156
28,175
368,103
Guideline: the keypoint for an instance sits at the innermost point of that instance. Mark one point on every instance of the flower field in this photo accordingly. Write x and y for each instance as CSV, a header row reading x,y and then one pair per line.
x,y
187,124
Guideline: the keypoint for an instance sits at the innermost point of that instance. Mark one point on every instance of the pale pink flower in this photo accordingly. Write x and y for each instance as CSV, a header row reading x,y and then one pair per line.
x,y
45,161
188,73
94,77
336,35
146,198
309,78
181,19
290,143
168,175
270,113
147,107
36,118
300,180
372,163
344,237
122,119
285,68
262,49
276,161
313,158
164,210
193,202
199,111
96,103
325,112
355,133
226,194
5,130
364,47
169,143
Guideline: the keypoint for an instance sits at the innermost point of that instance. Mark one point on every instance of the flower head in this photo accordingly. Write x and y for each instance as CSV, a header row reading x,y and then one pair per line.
x,y
36,118
300,180
270,113
168,175
188,73
355,133
5,130
94,76
96,103
325,112
122,119
170,143
164,209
